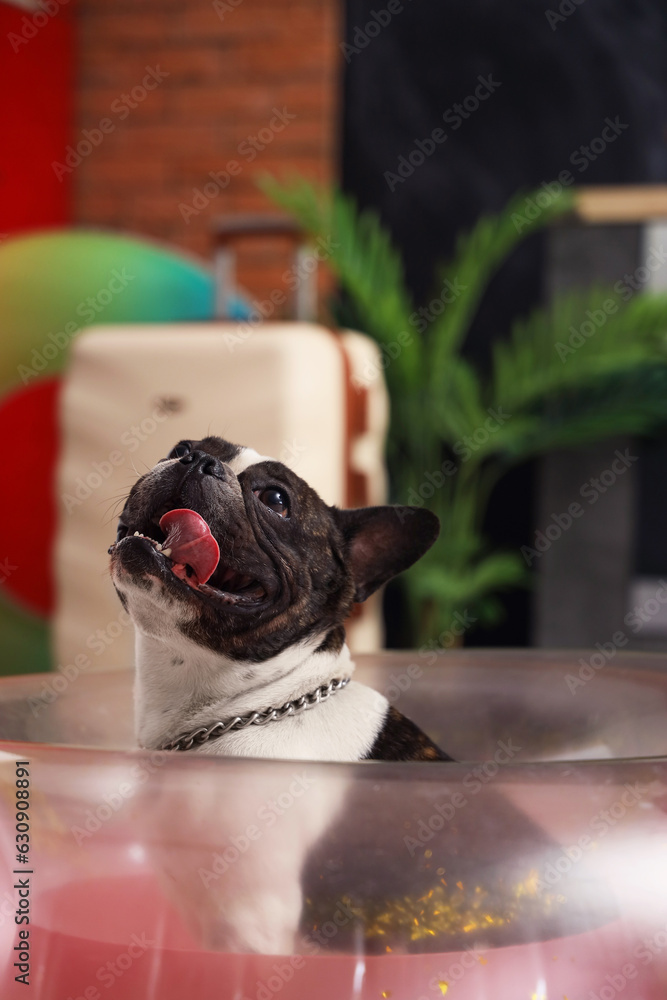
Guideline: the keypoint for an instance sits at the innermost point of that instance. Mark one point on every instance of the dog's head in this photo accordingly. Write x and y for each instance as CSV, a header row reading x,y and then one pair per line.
x,y
235,553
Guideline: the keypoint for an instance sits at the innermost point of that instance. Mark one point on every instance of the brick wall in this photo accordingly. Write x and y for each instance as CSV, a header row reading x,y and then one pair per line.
x,y
227,78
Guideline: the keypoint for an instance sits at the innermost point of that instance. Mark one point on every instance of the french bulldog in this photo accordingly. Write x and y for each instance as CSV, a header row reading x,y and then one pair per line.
x,y
238,578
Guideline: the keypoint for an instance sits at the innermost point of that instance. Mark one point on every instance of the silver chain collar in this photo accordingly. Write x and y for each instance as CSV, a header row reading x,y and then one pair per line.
x,y
198,736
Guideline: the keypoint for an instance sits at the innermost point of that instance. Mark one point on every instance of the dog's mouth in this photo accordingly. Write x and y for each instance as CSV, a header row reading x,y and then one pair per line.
x,y
184,544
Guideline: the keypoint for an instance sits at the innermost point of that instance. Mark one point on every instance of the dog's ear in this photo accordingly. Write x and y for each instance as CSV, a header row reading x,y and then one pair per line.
x,y
383,541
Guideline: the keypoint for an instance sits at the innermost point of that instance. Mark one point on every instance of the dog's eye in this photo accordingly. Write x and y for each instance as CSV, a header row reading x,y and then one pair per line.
x,y
274,498
181,449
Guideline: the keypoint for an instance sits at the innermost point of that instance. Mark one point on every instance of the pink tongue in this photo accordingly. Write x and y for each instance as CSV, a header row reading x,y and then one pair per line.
x,y
190,540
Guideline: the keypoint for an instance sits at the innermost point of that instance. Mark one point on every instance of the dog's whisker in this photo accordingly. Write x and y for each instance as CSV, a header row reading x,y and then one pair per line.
x,y
113,506
120,498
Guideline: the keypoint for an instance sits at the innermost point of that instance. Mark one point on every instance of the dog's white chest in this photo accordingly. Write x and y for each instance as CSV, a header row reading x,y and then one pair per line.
x,y
342,729
176,694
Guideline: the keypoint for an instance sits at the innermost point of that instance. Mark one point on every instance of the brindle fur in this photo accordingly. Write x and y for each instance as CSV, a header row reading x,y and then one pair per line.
x,y
312,565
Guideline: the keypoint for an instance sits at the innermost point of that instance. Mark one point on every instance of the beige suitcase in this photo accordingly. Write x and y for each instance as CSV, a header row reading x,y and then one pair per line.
x,y
296,391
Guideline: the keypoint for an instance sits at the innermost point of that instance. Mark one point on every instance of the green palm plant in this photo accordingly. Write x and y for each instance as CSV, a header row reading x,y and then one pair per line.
x,y
455,431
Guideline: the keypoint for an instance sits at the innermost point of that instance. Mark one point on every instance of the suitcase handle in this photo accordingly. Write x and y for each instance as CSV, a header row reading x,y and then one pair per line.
x,y
228,229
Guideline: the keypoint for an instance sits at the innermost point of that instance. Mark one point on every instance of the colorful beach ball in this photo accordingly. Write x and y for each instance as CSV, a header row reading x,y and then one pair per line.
x,y
52,285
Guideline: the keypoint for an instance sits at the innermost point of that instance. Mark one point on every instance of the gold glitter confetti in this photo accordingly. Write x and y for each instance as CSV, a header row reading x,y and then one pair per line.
x,y
441,912
443,986
428,853
482,960
386,994
532,880
440,871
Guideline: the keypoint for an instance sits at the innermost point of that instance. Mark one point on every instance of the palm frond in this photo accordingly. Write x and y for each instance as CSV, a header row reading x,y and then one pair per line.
x,y
366,263
548,353
633,401
458,409
563,388
478,255
590,366
494,572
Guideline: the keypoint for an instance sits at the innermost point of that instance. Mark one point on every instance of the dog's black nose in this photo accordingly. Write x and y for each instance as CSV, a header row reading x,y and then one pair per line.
x,y
203,464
